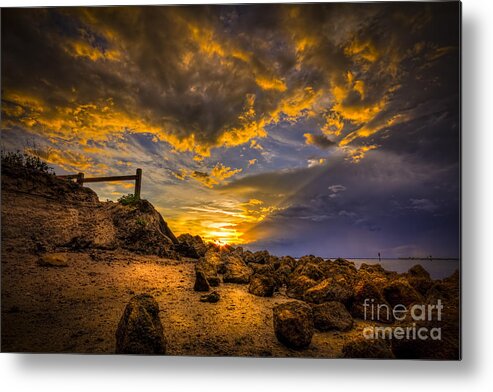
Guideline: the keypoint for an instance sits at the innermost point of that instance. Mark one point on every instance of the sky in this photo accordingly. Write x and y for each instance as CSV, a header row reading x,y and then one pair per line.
x,y
326,129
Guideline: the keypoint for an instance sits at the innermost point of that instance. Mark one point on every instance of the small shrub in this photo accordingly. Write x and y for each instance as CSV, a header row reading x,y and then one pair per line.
x,y
128,200
25,160
141,222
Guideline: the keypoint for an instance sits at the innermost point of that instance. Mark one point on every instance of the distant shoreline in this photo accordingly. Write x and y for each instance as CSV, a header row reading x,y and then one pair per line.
x,y
404,258
392,258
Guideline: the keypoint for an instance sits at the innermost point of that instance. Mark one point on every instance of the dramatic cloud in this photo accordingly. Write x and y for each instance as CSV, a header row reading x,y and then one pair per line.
x,y
223,105
321,141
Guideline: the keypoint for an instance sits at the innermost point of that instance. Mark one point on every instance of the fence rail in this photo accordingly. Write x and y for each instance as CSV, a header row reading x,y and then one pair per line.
x,y
80,179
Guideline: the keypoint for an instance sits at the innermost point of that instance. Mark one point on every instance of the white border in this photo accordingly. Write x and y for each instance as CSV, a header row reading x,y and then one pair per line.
x,y
474,373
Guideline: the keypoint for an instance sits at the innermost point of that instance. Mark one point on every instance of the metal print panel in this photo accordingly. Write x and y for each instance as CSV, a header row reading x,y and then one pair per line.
x,y
236,180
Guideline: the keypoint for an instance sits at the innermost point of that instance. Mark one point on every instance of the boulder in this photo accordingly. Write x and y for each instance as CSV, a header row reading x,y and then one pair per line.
x,y
287,261
201,283
212,297
447,346
236,271
57,260
399,291
293,324
419,279
261,268
339,267
140,330
274,262
376,274
418,270
309,269
309,259
191,246
367,348
282,274
261,257
365,290
262,285
297,286
248,257
214,257
446,289
209,270
140,228
332,316
373,268
330,289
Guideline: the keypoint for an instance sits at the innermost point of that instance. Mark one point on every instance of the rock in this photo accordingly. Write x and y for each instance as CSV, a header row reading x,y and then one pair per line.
x,y
239,251
57,260
446,290
339,267
263,269
214,258
297,286
140,330
262,285
367,348
236,271
191,246
309,269
261,257
330,289
209,269
448,345
399,291
140,228
282,274
274,262
376,274
248,257
287,261
332,316
372,268
418,270
293,324
212,297
201,283
365,290
309,259
419,279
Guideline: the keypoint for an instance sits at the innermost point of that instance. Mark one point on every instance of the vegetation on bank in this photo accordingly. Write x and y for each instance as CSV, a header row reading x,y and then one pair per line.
x,y
25,160
128,200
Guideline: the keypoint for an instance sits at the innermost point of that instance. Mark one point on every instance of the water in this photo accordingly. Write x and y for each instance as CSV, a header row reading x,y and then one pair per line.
x,y
438,269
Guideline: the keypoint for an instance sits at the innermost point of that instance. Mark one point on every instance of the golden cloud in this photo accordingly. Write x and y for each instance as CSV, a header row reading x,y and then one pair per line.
x,y
217,175
79,48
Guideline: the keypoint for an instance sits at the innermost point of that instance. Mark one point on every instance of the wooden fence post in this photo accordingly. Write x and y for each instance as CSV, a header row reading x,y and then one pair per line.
x,y
80,178
138,183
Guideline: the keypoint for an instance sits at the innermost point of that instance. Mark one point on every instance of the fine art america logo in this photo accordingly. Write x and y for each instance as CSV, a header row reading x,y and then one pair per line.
x,y
418,313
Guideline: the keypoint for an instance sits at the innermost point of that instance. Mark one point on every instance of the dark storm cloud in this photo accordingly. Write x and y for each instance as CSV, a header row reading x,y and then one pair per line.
x,y
199,77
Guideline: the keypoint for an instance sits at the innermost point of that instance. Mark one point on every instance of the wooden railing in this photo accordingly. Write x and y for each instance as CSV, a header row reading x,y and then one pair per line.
x,y
80,179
